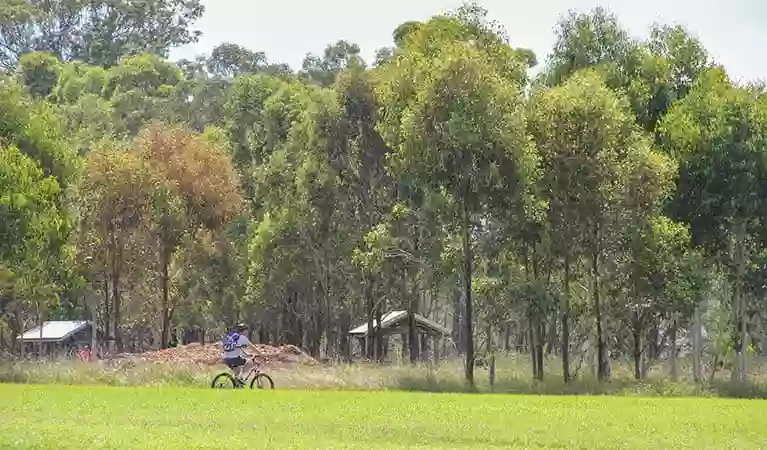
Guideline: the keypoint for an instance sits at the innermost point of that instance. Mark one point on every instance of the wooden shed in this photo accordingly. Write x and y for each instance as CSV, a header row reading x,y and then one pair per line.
x,y
58,337
396,323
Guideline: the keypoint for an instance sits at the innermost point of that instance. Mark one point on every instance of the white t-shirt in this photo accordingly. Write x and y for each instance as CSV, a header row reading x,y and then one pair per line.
x,y
242,343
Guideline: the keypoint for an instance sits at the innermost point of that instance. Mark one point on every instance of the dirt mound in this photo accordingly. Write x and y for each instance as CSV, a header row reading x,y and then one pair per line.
x,y
210,354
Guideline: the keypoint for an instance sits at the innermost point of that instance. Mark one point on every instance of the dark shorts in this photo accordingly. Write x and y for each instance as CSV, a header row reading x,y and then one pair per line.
x,y
234,362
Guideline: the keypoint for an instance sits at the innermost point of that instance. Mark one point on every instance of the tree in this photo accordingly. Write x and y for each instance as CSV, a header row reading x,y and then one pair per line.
x,y
141,89
461,129
652,73
196,187
365,184
650,245
33,252
229,60
717,134
116,205
97,32
685,53
39,73
244,111
35,129
590,40
28,203
589,146
39,168
77,80
336,57
655,282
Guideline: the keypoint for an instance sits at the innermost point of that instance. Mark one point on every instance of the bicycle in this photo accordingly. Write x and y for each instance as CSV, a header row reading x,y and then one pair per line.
x,y
226,380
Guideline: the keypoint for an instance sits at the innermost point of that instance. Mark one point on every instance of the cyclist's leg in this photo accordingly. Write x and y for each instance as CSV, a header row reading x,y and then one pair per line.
x,y
237,366
234,365
244,367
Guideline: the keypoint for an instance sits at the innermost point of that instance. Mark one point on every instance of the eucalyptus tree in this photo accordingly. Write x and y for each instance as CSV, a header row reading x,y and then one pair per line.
x,y
717,133
453,115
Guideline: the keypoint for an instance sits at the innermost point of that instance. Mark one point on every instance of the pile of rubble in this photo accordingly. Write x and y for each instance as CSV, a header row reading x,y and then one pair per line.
x,y
210,354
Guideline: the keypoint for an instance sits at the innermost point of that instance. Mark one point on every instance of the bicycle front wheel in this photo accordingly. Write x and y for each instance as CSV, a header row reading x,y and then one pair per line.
x,y
223,381
262,381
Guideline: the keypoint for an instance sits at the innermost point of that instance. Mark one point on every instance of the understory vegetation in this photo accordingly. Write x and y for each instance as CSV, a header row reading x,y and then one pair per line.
x,y
511,377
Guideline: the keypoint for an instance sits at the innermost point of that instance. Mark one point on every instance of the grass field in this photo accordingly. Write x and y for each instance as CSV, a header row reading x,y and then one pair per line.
x,y
56,416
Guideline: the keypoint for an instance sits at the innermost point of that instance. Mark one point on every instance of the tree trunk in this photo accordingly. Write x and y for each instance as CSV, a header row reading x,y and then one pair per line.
x,y
467,274
489,342
107,318
539,349
672,350
531,346
116,298
165,333
40,323
697,367
377,337
566,322
458,321
298,324
637,351
369,341
551,341
739,335
412,338
19,331
345,342
602,369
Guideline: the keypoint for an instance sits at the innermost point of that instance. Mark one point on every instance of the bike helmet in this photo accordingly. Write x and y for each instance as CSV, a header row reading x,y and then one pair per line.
x,y
240,327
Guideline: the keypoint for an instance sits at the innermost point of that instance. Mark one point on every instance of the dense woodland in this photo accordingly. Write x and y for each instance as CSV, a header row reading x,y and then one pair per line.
x,y
610,205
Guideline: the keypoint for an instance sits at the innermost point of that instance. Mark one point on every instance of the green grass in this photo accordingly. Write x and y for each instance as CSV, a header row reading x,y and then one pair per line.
x,y
62,417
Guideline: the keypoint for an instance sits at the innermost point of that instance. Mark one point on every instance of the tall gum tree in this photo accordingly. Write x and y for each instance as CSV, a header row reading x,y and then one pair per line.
x,y
30,221
460,126
717,133
588,145
97,32
649,244
115,213
32,128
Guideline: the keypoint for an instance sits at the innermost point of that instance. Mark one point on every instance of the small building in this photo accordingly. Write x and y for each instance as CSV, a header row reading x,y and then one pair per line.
x,y
396,323
62,337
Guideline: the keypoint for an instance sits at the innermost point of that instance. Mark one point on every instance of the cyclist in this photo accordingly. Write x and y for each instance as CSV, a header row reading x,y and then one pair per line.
x,y
234,355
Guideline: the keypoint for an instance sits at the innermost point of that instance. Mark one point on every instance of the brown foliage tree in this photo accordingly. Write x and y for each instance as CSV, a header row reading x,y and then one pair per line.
x,y
116,204
196,188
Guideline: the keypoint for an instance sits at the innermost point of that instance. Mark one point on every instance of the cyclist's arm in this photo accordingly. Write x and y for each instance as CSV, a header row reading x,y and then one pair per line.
x,y
246,345
251,346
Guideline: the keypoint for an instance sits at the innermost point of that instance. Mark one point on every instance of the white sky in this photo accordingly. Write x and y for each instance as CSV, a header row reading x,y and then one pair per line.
x,y
734,32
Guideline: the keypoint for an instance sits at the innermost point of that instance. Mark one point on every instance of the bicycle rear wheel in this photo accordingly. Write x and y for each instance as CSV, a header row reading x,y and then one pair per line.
x,y
262,381
223,381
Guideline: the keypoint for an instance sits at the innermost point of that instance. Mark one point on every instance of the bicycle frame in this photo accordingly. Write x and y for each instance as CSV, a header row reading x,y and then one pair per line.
x,y
254,370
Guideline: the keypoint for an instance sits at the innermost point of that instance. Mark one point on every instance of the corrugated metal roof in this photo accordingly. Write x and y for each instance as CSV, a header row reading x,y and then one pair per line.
x,y
56,330
386,319
395,316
